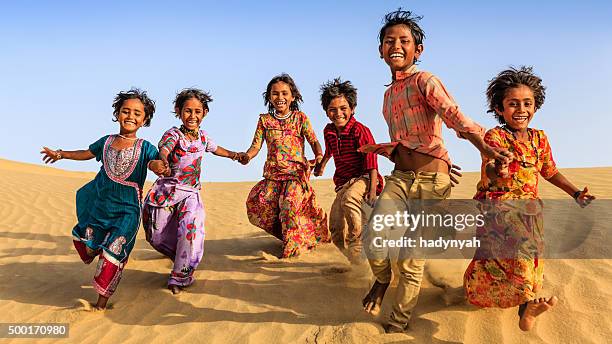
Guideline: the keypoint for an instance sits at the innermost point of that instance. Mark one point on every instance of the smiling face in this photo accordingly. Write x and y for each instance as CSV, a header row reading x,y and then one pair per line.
x,y
339,112
518,107
398,48
131,116
192,113
281,97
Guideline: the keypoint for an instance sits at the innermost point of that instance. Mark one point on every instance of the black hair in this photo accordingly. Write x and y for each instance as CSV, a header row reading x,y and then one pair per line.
x,y
189,93
135,93
511,78
401,17
295,92
338,88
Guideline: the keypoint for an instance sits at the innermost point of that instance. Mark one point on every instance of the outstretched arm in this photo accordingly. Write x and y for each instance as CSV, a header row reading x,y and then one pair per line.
x,y
500,154
220,151
439,99
310,136
320,167
50,156
318,152
582,197
258,139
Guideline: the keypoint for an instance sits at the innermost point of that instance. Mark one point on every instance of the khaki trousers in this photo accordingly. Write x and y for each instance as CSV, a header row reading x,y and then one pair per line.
x,y
346,218
400,187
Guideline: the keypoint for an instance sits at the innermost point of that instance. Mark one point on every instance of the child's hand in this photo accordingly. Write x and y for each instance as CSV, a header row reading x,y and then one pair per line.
x,y
316,161
318,169
502,169
499,154
454,171
50,156
243,158
584,198
159,167
164,160
370,197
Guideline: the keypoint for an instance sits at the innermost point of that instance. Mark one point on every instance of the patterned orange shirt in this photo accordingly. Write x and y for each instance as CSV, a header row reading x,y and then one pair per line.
x,y
285,142
531,159
415,105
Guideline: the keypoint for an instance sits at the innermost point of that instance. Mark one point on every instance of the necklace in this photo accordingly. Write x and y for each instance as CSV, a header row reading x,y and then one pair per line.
x,y
530,139
283,117
193,132
127,138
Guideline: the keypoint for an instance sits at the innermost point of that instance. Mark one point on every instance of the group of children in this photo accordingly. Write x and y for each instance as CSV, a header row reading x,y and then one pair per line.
x,y
416,104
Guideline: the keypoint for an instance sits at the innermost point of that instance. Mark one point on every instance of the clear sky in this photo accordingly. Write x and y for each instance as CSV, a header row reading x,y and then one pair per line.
x,y
61,64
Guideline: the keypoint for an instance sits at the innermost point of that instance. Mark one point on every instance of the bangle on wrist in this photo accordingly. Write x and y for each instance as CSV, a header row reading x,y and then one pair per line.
x,y
576,194
59,154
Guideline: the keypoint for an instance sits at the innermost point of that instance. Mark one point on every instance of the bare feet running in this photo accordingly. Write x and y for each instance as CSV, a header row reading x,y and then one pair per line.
x,y
372,301
175,289
533,309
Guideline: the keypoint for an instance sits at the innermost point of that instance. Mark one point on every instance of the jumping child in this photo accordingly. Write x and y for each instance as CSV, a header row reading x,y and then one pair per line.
x,y
108,207
283,203
173,215
508,271
415,106
356,177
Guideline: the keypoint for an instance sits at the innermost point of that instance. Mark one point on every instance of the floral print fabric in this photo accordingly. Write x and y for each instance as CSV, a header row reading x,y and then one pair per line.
x,y
507,269
285,143
288,210
284,204
173,215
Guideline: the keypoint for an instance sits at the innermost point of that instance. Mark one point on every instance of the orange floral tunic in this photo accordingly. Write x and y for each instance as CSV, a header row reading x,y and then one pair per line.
x,y
532,158
285,142
283,203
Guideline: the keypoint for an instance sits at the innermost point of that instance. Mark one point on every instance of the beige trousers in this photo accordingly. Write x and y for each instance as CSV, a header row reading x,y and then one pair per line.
x,y
400,187
346,218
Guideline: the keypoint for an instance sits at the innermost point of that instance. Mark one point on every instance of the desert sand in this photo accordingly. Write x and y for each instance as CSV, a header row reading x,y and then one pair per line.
x,y
242,295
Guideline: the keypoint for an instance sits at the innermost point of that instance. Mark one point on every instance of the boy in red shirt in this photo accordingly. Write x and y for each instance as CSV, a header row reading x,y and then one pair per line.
x,y
356,177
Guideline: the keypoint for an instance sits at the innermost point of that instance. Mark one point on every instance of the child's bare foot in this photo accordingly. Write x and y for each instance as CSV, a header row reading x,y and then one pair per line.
x,y
372,301
175,289
533,309
389,328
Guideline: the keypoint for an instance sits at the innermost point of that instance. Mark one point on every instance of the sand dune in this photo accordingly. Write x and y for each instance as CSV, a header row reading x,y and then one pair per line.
x,y
242,294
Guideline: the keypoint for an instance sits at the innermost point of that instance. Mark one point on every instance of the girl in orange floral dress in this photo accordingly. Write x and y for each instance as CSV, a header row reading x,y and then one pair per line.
x,y
283,203
507,269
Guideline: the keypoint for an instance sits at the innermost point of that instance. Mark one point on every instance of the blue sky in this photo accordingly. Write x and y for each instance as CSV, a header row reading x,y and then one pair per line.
x,y
63,62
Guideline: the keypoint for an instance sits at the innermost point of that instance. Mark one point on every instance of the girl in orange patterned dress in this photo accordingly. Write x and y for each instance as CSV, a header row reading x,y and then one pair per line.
x,y
507,269
283,203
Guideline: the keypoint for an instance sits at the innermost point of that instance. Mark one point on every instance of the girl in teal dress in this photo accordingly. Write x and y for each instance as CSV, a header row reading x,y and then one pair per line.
x,y
108,207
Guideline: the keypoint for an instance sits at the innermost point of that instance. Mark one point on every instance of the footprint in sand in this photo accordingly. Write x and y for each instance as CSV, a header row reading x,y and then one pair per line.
x,y
75,312
265,257
334,270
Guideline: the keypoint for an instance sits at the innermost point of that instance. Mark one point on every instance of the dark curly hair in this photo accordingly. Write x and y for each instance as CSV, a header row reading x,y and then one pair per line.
x,y
511,78
295,92
135,93
338,88
189,93
401,17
